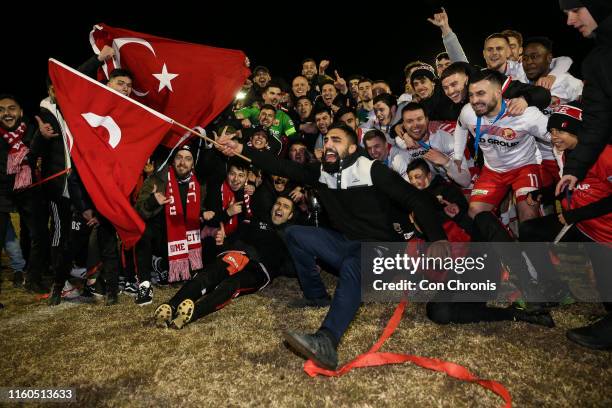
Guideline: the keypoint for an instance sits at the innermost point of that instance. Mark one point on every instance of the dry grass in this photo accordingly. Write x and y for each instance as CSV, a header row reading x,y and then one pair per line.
x,y
113,357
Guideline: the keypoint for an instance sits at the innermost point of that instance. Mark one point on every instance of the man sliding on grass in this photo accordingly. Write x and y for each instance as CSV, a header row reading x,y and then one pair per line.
x,y
254,255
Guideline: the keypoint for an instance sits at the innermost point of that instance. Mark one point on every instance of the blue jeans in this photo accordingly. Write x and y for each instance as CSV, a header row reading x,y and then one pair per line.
x,y
306,244
13,250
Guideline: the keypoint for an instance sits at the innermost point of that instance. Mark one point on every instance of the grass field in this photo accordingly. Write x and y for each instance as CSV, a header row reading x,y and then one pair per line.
x,y
112,356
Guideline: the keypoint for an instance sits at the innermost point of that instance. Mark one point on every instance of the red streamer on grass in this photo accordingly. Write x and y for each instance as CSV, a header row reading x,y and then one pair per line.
x,y
374,358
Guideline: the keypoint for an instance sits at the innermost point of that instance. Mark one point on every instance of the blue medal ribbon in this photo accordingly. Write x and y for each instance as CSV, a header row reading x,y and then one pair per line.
x,y
479,123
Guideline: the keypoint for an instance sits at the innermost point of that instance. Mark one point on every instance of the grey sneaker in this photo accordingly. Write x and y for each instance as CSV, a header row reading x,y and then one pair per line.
x,y
317,347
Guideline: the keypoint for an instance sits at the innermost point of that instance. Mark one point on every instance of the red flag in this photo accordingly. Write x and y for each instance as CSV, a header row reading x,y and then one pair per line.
x,y
191,83
113,136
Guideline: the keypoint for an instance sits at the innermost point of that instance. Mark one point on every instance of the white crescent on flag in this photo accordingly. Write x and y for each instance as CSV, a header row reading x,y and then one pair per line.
x,y
120,42
114,131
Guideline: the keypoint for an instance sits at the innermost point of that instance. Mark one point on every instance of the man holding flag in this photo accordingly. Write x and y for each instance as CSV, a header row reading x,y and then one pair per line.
x,y
112,139
114,135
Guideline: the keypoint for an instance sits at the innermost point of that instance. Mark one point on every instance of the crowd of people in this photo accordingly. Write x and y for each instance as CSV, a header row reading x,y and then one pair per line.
x,y
300,173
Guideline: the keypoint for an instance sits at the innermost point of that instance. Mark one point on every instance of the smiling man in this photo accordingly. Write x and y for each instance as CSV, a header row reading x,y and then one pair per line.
x,y
249,261
355,192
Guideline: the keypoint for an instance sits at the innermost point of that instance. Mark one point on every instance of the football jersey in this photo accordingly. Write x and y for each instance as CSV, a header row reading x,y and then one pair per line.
x,y
440,138
507,144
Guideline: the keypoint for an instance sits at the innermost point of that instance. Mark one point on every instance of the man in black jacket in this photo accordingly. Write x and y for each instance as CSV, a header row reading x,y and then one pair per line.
x,y
593,18
250,259
50,146
13,123
355,192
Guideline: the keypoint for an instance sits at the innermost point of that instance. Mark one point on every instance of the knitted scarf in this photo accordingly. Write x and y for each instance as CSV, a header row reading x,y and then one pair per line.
x,y
184,246
17,162
227,195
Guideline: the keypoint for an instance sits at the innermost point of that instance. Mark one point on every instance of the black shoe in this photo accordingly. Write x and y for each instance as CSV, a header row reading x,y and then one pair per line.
x,y
55,297
317,347
36,287
541,318
111,299
18,279
597,336
145,294
304,302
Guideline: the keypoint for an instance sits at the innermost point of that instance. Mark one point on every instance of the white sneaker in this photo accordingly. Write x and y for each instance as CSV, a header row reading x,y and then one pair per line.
x,y
78,272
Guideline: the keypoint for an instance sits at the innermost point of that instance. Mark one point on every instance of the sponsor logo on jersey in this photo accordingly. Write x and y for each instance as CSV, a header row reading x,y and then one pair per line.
x,y
508,134
501,143
479,191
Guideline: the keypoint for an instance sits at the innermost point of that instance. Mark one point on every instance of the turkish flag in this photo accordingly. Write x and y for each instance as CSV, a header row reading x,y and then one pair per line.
x,y
190,83
112,138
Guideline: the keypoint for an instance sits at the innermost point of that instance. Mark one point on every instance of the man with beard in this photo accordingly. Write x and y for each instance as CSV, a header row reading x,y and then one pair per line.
x,y
507,142
15,175
593,19
171,204
315,76
249,261
350,119
356,193
121,81
323,120
536,62
353,84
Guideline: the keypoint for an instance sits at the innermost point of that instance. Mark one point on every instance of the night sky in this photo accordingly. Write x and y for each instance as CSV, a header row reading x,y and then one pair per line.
x,y
375,39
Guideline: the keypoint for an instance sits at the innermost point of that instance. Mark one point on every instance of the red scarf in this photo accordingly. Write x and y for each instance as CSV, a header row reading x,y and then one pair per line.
x,y
184,246
16,162
228,196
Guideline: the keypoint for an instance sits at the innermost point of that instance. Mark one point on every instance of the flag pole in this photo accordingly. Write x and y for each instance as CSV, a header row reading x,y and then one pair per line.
x,y
208,139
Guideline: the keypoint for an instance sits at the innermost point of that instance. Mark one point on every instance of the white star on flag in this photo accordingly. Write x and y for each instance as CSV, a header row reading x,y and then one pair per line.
x,y
164,78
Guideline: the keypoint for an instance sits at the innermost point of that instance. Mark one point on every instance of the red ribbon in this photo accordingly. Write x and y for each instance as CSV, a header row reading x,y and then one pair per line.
x,y
51,177
374,358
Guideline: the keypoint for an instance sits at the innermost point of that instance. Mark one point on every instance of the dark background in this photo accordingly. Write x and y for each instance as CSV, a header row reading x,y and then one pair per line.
x,y
375,39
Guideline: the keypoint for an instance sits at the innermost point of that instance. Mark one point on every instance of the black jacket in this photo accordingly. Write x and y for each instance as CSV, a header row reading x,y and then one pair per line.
x,y
52,155
596,131
359,208
265,243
